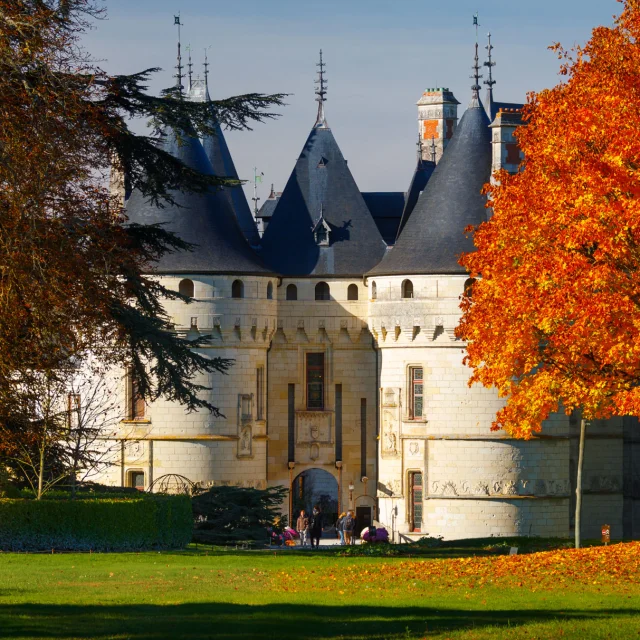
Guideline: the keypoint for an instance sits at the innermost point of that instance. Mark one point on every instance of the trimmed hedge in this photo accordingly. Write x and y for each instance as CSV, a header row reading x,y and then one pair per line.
x,y
114,524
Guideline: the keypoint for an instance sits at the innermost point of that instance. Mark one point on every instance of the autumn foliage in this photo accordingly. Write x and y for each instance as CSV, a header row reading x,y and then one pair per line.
x,y
610,566
554,322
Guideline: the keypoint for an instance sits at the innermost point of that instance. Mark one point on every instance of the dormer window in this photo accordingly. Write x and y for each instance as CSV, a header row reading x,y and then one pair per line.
x,y
321,232
322,236
323,162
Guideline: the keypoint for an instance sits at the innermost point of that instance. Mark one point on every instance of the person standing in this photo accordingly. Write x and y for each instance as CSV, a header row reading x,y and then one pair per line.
x,y
316,526
340,527
349,524
302,527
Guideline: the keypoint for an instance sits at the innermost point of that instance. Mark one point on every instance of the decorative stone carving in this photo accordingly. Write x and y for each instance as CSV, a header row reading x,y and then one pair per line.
x,y
396,487
510,488
604,484
245,442
500,488
414,448
313,427
314,451
134,450
449,489
481,489
389,435
389,397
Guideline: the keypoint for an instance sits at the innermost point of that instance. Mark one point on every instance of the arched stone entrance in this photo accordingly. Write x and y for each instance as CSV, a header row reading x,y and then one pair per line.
x,y
315,486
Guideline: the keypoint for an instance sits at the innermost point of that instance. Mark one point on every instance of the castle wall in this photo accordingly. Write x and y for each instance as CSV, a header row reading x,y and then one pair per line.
x,y
230,449
301,438
475,482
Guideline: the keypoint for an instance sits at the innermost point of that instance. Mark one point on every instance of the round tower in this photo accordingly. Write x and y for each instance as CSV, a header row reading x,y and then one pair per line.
x,y
233,302
442,471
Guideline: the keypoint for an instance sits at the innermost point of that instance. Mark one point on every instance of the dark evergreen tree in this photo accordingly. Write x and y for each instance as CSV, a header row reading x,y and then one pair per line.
x,y
73,273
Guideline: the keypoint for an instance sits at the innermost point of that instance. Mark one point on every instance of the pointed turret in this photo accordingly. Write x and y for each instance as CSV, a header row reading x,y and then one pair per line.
x,y
321,225
205,220
217,151
433,237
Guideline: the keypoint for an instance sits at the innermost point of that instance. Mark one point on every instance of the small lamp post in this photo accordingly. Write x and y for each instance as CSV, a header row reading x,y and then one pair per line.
x,y
351,489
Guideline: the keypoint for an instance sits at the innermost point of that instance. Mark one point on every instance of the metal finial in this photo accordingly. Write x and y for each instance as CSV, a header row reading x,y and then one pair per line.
x,y
321,92
433,149
179,75
475,88
190,67
419,145
206,74
489,63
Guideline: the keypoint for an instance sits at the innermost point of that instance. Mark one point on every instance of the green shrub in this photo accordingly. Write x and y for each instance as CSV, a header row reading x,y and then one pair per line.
x,y
230,514
105,524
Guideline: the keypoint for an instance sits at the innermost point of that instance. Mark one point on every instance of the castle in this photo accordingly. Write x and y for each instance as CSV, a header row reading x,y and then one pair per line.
x,y
339,312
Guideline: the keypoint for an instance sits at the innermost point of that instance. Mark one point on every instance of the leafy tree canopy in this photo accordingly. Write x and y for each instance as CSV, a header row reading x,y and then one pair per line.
x,y
554,321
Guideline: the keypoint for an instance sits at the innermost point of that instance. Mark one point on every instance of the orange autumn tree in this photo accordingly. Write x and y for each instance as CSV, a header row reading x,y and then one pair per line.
x,y
554,322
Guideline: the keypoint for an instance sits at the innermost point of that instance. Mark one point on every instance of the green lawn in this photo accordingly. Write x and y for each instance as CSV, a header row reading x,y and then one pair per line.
x,y
262,594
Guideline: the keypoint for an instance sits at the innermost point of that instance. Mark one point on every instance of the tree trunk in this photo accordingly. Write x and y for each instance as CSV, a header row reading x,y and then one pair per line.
x,y
41,471
578,522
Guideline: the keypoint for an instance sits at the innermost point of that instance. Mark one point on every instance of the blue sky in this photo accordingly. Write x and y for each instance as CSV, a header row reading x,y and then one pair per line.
x,y
380,56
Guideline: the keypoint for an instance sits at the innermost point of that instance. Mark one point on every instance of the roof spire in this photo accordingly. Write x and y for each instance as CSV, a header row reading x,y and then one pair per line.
x,y
433,149
206,74
419,145
179,75
475,88
490,82
190,68
321,92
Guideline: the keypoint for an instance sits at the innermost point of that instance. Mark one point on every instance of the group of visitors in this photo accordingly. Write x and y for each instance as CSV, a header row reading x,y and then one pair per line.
x,y
310,527
346,525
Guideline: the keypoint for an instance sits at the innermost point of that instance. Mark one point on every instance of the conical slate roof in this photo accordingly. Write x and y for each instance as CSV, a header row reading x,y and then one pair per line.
x,y
421,176
217,151
321,190
205,220
433,237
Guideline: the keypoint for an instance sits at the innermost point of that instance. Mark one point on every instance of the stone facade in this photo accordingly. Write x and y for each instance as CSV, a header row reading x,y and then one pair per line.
x,y
475,482
363,378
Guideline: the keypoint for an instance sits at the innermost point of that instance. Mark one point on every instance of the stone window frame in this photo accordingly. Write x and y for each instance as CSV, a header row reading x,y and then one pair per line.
x,y
260,392
129,478
187,287
237,289
134,412
323,382
408,413
301,401
409,496
291,292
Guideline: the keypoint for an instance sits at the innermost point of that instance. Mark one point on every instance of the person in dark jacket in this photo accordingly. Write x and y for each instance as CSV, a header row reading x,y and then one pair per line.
x,y
349,525
316,526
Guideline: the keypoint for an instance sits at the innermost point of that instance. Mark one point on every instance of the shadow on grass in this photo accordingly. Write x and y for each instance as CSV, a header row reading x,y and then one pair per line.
x,y
282,621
